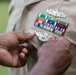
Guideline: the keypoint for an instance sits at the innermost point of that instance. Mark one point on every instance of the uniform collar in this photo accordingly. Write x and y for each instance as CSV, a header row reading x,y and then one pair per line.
x,y
32,1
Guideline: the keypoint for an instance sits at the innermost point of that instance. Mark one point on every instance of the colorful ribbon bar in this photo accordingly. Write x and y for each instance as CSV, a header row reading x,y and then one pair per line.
x,y
45,22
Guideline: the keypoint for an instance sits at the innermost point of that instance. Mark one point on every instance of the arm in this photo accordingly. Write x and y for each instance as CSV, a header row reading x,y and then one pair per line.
x,y
43,67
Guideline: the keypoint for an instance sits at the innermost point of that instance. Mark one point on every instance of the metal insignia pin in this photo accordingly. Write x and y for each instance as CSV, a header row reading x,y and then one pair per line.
x,y
43,37
57,13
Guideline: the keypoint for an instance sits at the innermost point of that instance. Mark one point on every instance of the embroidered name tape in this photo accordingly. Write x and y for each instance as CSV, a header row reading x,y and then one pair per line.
x,y
51,24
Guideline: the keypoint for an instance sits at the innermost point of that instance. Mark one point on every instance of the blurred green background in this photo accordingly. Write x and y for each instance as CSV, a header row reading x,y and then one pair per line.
x,y
4,4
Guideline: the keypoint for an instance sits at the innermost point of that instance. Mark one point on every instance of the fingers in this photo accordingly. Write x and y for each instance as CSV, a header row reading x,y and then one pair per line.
x,y
60,41
23,57
24,37
25,51
52,38
28,46
64,42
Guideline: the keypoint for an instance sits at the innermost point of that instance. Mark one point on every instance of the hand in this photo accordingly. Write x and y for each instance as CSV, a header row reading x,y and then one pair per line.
x,y
11,54
56,52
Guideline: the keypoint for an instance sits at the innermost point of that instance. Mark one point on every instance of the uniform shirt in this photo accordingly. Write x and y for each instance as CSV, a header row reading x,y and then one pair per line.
x,y
23,14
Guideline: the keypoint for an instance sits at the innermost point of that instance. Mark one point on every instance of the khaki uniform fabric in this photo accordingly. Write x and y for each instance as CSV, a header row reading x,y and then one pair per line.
x,y
22,17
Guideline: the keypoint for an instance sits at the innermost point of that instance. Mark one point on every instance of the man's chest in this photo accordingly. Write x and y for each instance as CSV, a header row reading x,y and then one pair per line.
x,y
31,12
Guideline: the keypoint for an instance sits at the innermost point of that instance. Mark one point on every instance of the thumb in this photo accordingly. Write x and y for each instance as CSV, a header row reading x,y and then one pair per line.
x,y
24,37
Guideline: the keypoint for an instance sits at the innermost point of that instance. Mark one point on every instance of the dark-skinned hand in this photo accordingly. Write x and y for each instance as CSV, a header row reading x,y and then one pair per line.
x,y
11,54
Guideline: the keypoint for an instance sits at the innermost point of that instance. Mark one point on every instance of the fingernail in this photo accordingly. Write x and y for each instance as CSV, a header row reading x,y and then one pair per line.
x,y
60,38
32,32
49,37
